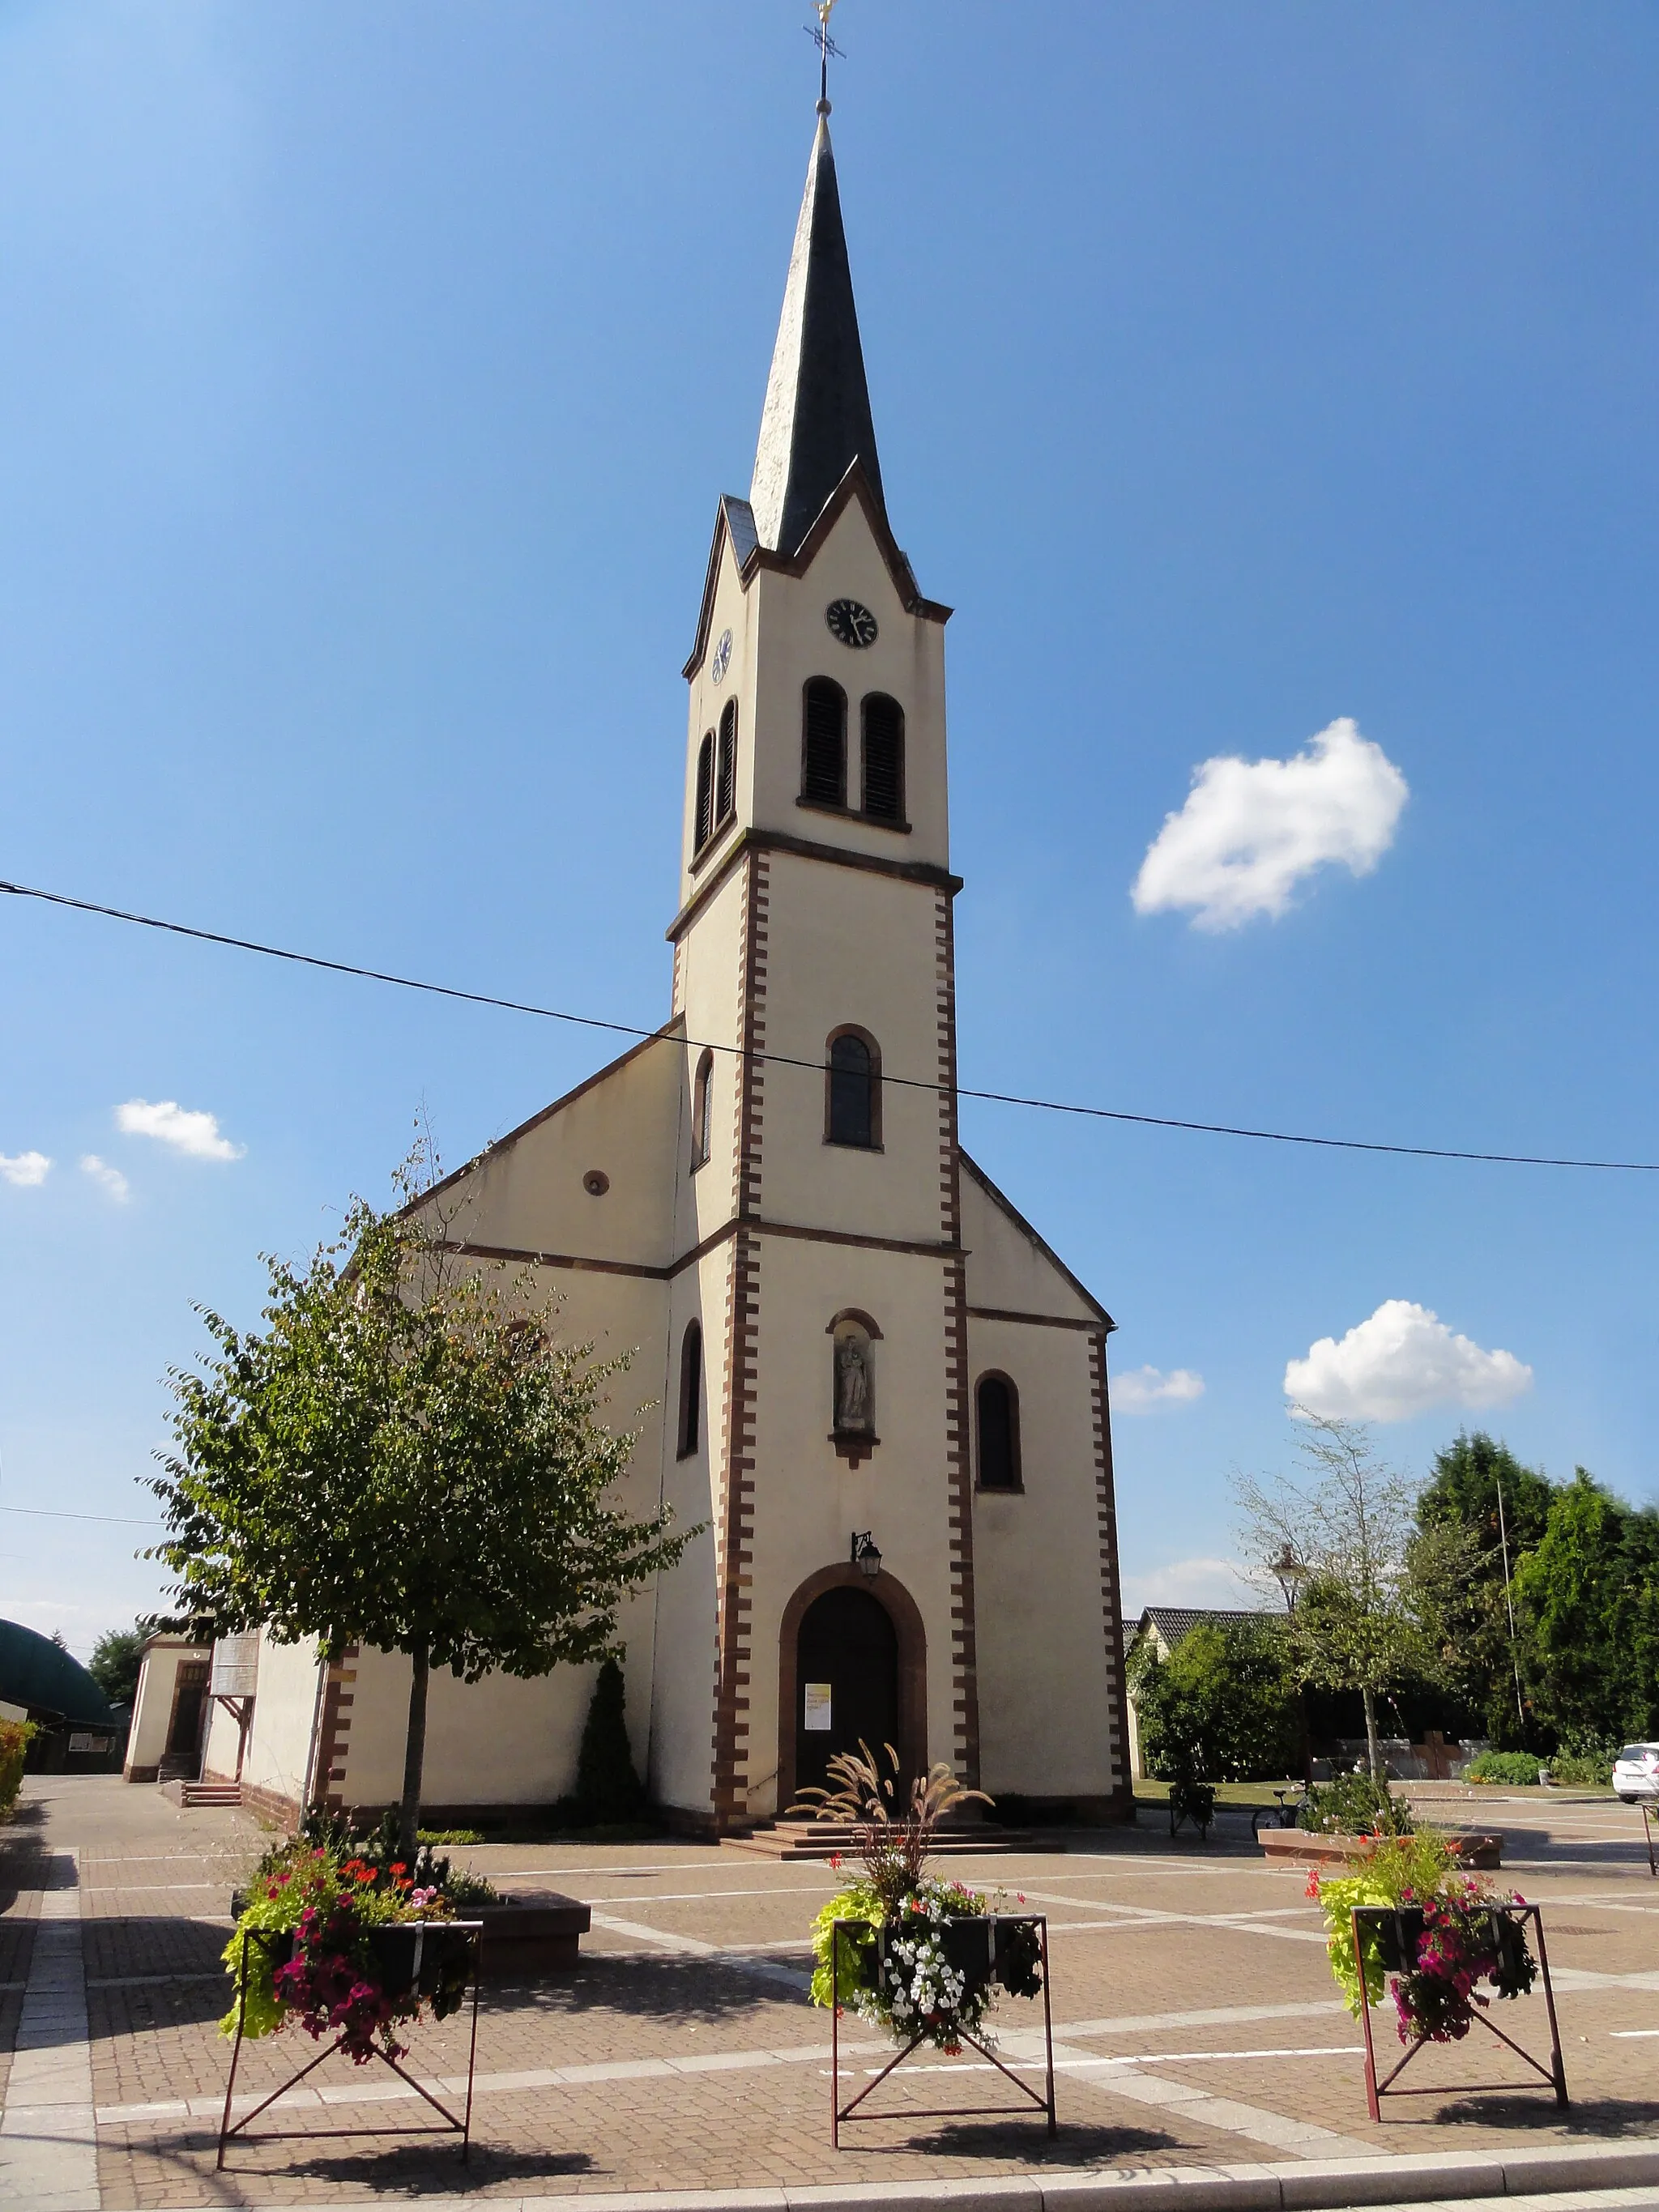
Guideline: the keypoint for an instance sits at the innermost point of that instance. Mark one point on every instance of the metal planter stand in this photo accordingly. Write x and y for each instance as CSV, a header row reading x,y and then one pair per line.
x,y
273,1940
1554,2075
849,2111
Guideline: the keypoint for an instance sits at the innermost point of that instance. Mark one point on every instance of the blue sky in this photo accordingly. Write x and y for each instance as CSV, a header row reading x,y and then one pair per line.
x,y
371,376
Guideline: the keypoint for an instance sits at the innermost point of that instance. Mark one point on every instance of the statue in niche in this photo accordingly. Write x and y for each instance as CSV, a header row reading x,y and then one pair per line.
x,y
852,1383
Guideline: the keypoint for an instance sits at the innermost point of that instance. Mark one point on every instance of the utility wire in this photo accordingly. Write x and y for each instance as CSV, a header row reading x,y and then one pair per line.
x,y
783,1059
47,1513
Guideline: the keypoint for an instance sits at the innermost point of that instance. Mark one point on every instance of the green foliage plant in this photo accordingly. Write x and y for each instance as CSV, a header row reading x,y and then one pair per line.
x,y
609,1791
1354,1805
115,1658
1357,1622
1191,1801
1585,1763
896,1968
1399,1870
306,1878
1519,1768
16,1737
1220,1707
405,1456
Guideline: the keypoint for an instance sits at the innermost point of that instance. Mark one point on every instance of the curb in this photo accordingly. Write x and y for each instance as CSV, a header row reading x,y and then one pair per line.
x,y
1298,2186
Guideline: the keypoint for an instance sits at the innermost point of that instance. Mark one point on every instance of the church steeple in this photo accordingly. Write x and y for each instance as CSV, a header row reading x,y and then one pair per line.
x,y
815,422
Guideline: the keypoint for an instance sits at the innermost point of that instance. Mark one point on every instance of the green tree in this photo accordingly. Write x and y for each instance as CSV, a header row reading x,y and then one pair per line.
x,y
115,1660
405,1456
608,1788
1347,1530
1589,1594
1479,1514
1219,1708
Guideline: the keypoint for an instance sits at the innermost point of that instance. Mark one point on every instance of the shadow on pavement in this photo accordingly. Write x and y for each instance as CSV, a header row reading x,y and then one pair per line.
x,y
1029,2142
1609,2117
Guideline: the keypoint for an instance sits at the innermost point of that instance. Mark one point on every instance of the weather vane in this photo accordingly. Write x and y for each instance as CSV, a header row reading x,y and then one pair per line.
x,y
828,50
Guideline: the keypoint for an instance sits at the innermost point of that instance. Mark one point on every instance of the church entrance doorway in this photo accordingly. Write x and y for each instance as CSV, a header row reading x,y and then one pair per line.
x,y
847,1683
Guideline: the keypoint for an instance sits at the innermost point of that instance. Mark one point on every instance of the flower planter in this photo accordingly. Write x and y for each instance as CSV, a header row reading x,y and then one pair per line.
x,y
424,1959
1307,1847
968,1945
1398,1937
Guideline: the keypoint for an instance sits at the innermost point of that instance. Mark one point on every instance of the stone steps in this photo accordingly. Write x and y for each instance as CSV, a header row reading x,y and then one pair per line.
x,y
186,1794
823,1839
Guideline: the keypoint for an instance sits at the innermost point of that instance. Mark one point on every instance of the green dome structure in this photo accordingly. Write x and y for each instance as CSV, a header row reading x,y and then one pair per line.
x,y
56,1688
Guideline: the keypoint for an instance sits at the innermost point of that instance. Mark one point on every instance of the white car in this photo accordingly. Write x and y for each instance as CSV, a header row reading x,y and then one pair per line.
x,y
1636,1772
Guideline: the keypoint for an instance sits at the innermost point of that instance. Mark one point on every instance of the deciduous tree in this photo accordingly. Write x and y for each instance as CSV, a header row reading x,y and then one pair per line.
x,y
405,1455
1348,1526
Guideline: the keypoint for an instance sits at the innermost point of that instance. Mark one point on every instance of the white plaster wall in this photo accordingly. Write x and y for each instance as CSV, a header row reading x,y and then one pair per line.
x,y
1044,1673
526,1193
284,1718
504,1741
711,997
807,1500
682,1695
847,947
152,1708
1007,1267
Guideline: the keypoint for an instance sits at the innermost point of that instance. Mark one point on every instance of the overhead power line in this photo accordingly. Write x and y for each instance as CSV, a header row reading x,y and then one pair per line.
x,y
50,1513
783,1059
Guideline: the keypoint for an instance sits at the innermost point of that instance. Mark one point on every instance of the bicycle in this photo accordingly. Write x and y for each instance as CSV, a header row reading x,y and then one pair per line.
x,y
1279,1815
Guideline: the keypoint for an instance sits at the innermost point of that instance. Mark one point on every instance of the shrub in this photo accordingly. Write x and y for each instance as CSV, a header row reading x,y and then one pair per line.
x,y
16,1737
607,1788
1584,1762
1220,1705
1518,1769
1353,1805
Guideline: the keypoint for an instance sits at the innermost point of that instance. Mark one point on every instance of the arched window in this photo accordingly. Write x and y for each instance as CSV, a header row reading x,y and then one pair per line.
x,y
690,1431
726,777
998,1406
852,1108
823,743
702,1110
705,822
884,758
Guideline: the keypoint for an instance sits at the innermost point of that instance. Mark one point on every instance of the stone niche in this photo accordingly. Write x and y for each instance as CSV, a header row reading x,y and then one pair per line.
x,y
853,1338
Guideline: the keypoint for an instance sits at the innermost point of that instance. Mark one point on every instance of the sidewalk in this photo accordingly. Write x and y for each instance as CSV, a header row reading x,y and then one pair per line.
x,y
1203,2057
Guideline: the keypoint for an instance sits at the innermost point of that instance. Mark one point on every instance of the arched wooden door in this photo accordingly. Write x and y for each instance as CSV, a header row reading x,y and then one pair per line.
x,y
846,1682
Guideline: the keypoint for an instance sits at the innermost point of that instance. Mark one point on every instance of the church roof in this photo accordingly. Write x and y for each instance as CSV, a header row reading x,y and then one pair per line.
x,y
816,420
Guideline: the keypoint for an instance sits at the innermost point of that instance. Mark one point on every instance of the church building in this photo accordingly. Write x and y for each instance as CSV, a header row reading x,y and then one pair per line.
x,y
876,1385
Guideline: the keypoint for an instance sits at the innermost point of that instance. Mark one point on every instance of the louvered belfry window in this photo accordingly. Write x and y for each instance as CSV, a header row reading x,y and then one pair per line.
x,y
884,758
705,823
725,776
823,743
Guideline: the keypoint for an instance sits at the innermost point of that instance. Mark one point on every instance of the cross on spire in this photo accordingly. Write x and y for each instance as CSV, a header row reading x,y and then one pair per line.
x,y
819,34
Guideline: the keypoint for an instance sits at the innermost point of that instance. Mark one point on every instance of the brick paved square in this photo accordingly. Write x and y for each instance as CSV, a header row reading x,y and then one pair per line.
x,y
1197,1973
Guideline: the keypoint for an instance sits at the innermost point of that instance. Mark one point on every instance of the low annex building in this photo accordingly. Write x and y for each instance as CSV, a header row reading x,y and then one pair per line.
x,y
844,1328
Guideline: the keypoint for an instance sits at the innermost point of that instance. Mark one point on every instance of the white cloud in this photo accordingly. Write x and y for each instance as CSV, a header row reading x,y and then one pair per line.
x,y
170,1123
1251,831
1145,1389
1201,1582
26,1169
1404,1360
107,1178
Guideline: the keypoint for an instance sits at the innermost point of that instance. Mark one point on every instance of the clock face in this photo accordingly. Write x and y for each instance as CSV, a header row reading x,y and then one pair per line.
x,y
852,624
722,659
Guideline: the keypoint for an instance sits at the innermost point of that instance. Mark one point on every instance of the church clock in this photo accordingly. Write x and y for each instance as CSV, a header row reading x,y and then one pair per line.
x,y
852,624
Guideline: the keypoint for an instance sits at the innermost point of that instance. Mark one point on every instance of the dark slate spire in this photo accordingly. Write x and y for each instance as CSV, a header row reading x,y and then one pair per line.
x,y
815,422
